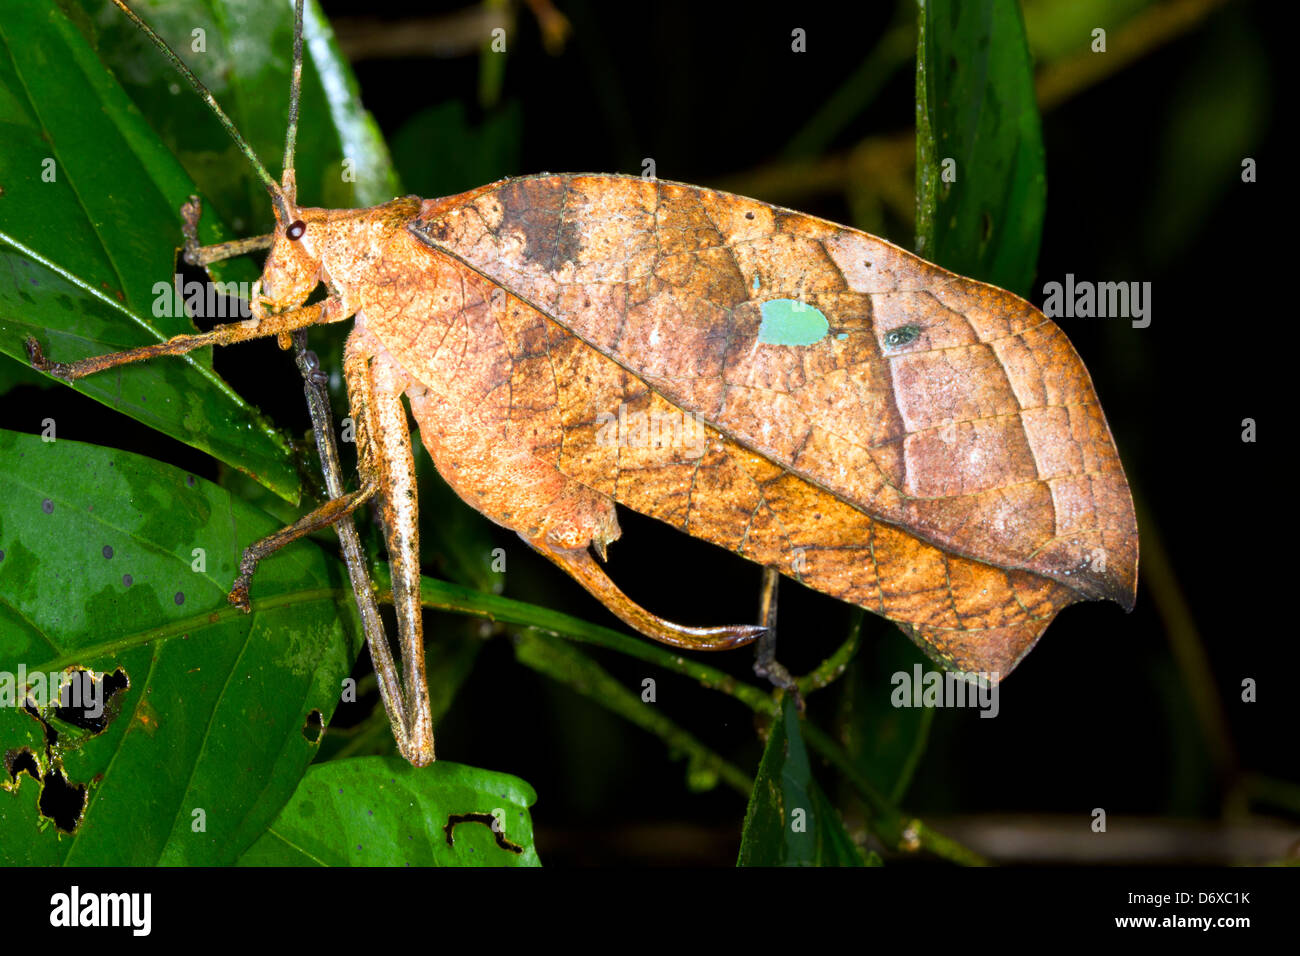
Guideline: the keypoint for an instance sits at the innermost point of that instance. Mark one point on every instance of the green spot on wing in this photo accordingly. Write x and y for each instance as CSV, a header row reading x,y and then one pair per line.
x,y
791,322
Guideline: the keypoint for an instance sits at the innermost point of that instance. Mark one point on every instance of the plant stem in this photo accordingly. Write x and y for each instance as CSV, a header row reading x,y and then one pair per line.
x,y
887,821
830,670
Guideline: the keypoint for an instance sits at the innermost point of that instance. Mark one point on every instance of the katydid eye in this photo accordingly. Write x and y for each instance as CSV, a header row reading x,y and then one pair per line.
x,y
296,229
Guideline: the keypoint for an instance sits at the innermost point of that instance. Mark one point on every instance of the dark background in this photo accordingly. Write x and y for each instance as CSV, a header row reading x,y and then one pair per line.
x,y
1143,185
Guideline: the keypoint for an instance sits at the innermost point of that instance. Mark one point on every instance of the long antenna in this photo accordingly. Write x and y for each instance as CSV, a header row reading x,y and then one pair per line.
x,y
290,184
282,206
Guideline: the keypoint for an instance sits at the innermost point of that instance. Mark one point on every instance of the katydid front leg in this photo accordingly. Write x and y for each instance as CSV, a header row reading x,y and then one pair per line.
x,y
203,256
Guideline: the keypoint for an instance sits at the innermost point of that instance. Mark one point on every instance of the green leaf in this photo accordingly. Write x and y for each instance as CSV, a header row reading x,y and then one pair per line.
x,y
484,152
87,257
381,811
14,373
243,56
790,822
117,563
981,184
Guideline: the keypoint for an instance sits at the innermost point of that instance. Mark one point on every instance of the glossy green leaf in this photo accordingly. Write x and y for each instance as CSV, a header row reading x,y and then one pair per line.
x,y
790,822
485,151
114,562
14,373
381,811
241,50
88,232
981,184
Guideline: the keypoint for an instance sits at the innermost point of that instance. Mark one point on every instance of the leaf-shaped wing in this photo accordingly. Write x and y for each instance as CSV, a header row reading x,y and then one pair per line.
x,y
939,404
923,445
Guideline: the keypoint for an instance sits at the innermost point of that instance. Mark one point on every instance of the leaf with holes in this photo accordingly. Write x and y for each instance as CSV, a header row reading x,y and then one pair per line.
x,y
381,811
113,563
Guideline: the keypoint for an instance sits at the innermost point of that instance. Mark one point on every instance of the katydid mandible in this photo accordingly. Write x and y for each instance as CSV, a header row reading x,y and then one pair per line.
x,y
914,442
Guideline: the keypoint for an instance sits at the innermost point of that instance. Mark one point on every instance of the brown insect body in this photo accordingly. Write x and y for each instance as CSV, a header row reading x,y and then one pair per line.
x,y
827,461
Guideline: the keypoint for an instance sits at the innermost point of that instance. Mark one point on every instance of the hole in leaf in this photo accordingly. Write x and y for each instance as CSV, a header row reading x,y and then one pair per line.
x,y
51,735
16,761
62,802
314,727
90,704
488,820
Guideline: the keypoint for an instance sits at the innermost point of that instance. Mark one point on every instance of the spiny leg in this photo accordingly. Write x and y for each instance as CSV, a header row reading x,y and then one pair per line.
x,y
386,459
281,323
372,624
332,512
765,662
337,510
583,568
197,255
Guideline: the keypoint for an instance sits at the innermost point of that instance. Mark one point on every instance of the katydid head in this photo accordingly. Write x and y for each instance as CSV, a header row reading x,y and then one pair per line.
x,y
293,266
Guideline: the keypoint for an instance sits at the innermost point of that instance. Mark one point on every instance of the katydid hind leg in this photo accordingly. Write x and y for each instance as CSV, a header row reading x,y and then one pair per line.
x,y
583,568
354,557
375,386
